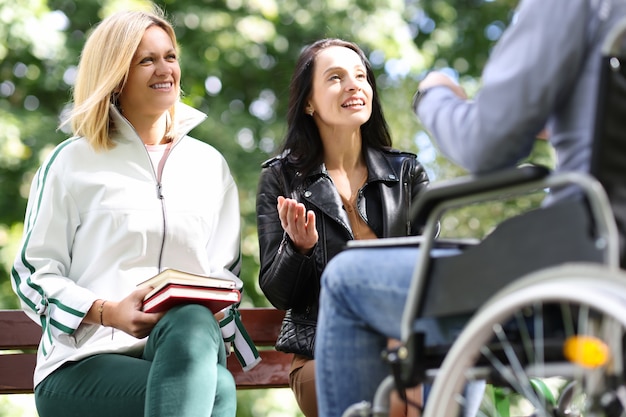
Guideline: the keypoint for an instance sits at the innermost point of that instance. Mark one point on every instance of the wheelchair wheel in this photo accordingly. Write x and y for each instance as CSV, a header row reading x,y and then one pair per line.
x,y
567,322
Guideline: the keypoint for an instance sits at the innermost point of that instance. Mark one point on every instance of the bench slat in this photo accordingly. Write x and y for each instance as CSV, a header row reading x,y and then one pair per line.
x,y
17,332
263,324
16,373
271,372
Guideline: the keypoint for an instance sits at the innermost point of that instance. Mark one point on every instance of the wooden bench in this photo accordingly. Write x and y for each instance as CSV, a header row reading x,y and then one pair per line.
x,y
19,337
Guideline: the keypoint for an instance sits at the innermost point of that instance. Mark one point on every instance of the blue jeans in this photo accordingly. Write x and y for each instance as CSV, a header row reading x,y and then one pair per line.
x,y
361,306
182,372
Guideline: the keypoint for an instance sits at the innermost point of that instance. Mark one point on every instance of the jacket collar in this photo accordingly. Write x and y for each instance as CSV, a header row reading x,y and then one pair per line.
x,y
378,166
320,193
186,119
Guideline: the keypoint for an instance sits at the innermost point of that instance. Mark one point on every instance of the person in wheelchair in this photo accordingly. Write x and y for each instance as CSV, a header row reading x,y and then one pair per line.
x,y
543,72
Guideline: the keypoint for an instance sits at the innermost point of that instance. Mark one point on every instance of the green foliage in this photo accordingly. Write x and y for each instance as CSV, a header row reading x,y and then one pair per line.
x,y
237,59
458,33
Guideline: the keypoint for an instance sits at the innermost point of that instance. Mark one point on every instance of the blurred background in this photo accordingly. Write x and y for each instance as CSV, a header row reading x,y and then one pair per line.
x,y
237,57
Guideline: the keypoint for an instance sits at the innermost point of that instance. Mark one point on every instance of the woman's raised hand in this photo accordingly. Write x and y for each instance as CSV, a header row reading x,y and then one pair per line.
x,y
298,223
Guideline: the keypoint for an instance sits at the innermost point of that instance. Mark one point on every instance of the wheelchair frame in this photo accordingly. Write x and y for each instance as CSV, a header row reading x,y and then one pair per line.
x,y
598,286
551,283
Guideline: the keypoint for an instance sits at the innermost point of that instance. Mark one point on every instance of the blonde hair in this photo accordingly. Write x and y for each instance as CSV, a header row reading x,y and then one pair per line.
x,y
103,70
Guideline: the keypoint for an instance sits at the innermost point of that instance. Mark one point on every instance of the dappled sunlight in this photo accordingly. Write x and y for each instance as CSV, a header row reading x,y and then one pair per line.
x,y
278,402
18,405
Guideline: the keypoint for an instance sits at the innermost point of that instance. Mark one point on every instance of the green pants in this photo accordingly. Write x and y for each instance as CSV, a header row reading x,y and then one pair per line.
x,y
181,373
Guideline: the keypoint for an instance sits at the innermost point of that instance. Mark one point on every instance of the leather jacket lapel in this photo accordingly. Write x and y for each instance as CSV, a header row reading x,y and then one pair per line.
x,y
322,193
379,167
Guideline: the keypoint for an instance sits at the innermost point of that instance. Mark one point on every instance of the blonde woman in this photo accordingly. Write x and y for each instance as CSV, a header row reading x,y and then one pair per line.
x,y
128,196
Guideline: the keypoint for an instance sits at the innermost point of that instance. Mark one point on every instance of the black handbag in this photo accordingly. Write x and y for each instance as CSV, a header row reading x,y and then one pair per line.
x,y
297,335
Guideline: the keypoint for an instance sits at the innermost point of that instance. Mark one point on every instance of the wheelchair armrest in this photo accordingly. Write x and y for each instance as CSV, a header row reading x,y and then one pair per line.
x,y
473,184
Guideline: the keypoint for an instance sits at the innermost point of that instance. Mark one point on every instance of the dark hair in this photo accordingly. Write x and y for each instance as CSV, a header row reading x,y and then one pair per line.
x,y
303,142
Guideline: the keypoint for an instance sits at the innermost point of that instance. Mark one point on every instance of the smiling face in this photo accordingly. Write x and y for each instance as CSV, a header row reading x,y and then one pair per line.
x,y
341,95
153,80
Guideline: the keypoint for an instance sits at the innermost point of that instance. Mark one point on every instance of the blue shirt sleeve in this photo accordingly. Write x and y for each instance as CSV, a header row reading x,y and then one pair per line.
x,y
531,69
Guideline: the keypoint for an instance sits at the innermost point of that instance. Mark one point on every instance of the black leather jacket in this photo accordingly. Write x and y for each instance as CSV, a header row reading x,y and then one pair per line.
x,y
291,280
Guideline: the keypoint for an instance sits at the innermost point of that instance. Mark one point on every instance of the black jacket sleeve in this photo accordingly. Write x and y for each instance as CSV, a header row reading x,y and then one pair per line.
x,y
284,271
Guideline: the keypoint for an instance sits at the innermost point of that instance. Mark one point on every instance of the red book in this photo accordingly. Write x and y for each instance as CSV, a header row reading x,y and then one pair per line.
x,y
174,276
172,295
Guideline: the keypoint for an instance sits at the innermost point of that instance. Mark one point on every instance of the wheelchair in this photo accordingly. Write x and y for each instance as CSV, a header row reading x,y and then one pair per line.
x,y
550,306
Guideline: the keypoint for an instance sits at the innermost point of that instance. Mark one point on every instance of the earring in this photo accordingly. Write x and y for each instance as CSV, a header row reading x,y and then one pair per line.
x,y
310,112
115,99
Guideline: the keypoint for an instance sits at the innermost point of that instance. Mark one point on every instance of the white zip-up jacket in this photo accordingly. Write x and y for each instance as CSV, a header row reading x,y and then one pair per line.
x,y
98,223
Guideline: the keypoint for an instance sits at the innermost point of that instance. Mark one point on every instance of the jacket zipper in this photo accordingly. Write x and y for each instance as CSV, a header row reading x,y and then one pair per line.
x,y
164,216
408,207
159,184
161,197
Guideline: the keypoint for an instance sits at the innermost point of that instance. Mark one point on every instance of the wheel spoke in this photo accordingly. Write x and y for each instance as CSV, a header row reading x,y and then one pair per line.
x,y
518,341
